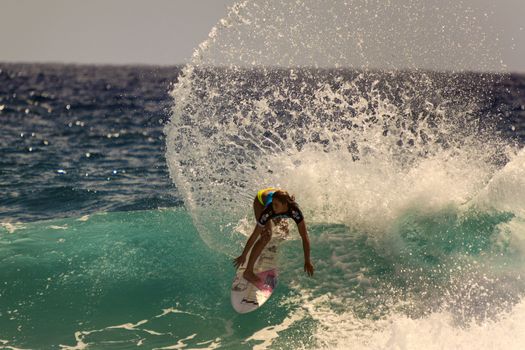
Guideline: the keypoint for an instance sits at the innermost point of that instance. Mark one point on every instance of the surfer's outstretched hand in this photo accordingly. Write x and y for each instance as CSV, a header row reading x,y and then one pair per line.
x,y
309,268
237,262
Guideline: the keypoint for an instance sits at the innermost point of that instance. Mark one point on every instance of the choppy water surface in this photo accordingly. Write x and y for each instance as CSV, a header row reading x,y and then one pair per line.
x,y
79,139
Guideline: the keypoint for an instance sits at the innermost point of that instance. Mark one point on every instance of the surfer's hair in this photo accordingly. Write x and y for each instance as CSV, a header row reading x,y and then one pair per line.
x,y
284,197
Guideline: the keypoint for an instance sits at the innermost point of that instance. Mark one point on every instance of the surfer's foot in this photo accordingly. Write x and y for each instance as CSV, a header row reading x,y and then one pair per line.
x,y
251,277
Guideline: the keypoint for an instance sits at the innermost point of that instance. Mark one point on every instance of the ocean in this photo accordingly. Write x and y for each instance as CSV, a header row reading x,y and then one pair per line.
x,y
126,191
101,249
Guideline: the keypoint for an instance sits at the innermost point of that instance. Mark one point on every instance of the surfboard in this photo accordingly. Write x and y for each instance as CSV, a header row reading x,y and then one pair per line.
x,y
246,297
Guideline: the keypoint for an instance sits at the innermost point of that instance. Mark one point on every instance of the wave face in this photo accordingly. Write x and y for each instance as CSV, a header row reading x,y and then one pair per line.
x,y
441,279
118,281
411,191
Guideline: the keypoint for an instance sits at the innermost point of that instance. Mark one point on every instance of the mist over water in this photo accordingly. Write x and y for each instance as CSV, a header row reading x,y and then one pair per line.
x,y
368,113
403,34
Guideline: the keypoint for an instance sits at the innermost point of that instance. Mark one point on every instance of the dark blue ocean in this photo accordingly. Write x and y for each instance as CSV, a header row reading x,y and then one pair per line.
x,y
124,198
80,139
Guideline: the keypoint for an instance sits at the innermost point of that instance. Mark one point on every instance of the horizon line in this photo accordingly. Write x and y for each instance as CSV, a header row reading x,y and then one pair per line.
x,y
182,65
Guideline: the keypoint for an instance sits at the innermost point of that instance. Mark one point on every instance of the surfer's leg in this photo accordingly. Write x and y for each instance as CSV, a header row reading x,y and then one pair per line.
x,y
258,208
265,237
249,275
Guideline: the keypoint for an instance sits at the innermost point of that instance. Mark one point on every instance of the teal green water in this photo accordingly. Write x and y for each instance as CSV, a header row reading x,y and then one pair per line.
x,y
146,279
64,276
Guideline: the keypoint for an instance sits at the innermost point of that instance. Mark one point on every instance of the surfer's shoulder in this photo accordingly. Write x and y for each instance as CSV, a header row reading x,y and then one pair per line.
x,y
295,213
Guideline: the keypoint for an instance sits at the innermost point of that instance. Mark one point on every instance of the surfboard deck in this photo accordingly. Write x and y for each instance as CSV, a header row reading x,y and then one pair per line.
x,y
246,297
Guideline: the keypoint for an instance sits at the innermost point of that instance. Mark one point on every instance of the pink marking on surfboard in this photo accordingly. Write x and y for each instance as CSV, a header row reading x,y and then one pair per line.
x,y
267,281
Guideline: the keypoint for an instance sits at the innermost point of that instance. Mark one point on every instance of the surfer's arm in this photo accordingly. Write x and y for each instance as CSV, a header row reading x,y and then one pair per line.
x,y
255,234
308,267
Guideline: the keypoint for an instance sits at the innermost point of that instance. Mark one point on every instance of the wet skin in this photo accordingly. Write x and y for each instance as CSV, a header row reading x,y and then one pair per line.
x,y
265,236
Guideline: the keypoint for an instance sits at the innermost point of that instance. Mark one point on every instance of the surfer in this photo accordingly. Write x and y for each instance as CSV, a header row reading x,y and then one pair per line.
x,y
271,206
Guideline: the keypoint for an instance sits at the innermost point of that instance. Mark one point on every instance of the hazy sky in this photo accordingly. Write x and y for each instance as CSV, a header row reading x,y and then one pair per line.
x,y
106,31
162,31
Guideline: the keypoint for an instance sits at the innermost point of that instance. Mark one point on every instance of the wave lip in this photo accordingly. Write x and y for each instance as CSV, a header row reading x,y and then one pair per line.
x,y
399,163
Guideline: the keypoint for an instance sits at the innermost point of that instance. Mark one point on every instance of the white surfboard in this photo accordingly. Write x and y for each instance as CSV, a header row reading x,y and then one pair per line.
x,y
245,296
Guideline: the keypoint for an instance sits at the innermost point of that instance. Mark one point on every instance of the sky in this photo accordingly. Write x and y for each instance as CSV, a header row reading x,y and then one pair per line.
x,y
106,31
163,32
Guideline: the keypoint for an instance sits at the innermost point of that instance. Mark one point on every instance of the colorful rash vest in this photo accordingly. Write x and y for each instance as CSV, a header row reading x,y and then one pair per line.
x,y
268,214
